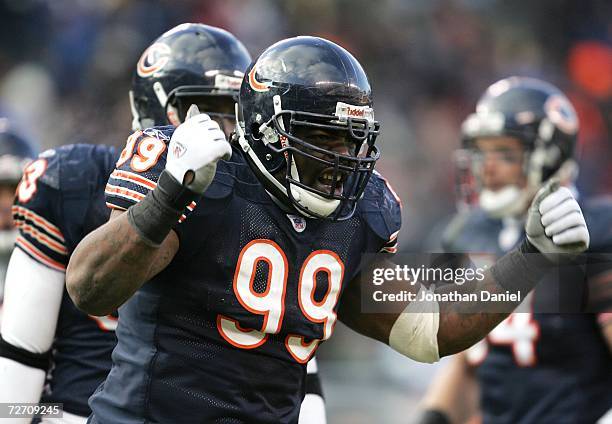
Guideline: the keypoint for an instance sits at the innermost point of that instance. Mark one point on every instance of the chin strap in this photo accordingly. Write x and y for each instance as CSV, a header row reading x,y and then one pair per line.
x,y
246,148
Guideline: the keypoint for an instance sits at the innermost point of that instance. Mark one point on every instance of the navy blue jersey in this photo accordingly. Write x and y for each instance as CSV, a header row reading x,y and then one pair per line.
x,y
224,332
59,201
543,367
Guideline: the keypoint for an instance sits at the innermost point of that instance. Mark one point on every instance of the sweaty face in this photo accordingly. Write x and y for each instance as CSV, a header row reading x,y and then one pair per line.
x,y
316,174
500,162
7,194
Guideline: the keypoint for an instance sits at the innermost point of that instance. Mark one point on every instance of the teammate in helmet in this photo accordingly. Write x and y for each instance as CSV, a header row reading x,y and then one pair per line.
x,y
239,295
530,126
15,153
190,64
535,366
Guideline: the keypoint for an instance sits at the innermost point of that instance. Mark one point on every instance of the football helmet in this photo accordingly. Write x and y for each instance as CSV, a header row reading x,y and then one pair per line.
x,y
297,86
542,118
189,64
15,153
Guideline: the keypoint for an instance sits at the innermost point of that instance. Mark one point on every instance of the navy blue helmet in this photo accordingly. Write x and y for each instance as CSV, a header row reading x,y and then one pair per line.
x,y
15,152
535,112
305,83
189,64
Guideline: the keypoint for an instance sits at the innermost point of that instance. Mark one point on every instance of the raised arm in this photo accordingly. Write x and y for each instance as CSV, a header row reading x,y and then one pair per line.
x,y
425,331
115,260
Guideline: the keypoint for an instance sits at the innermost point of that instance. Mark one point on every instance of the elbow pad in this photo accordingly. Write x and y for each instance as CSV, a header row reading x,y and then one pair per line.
x,y
415,332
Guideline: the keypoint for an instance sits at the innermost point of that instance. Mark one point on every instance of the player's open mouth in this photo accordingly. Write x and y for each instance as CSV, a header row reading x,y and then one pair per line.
x,y
326,179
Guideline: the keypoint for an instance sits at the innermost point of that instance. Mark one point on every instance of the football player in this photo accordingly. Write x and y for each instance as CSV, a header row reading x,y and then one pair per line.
x,y
534,367
61,199
238,297
15,152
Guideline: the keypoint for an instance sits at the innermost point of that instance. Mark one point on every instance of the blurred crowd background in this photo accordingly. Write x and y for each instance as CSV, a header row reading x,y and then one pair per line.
x,y
66,65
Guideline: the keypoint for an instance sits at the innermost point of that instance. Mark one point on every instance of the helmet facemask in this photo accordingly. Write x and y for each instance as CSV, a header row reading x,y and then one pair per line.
x,y
342,174
502,200
218,104
539,160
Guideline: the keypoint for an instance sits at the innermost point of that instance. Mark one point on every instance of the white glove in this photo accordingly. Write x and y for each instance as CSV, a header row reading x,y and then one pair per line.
x,y
555,223
197,145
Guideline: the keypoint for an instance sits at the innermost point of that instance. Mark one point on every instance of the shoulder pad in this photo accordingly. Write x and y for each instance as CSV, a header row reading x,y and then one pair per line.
x,y
163,133
381,207
77,166
137,171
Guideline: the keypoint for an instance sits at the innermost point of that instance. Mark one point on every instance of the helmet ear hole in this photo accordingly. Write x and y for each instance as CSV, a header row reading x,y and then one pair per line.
x,y
255,133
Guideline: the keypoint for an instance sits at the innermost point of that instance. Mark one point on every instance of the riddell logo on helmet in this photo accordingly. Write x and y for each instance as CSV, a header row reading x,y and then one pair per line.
x,y
153,59
344,111
355,112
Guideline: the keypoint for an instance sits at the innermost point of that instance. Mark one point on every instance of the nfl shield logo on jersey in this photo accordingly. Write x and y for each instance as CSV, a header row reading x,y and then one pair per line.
x,y
298,222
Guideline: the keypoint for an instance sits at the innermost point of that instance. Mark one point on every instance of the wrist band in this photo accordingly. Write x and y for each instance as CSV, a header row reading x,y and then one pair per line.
x,y
521,269
155,215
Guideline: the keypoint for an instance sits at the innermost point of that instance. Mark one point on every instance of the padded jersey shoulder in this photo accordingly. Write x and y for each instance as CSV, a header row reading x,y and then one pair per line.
x,y
380,207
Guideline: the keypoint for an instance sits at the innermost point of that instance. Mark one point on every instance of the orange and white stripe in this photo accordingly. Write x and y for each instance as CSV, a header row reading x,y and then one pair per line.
x,y
391,246
133,178
389,249
20,212
41,237
38,255
126,193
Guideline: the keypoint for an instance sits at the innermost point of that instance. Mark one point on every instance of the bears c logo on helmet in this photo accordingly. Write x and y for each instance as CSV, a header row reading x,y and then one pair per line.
x,y
256,85
153,59
562,114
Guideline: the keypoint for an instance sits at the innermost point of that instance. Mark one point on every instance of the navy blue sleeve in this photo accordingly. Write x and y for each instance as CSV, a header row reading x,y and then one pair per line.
x,y
136,173
36,212
60,199
381,208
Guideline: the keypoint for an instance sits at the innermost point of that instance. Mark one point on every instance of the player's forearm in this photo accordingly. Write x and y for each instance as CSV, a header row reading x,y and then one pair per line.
x,y
428,329
108,266
114,261
463,323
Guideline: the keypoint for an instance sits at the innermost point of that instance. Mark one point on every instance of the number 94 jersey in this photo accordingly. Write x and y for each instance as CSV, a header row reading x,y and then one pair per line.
x,y
225,330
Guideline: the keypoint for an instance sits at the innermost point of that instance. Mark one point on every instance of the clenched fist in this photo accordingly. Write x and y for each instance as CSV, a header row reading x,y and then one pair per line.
x,y
555,223
197,145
